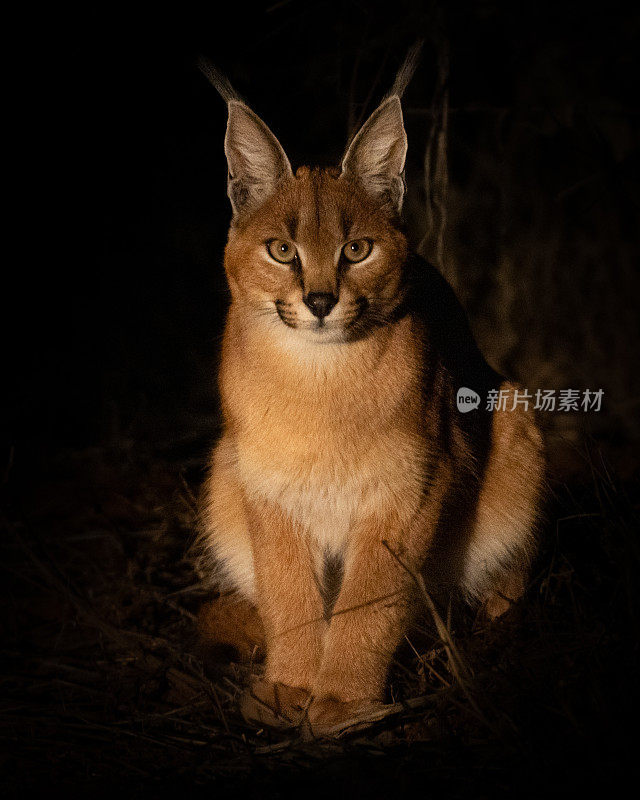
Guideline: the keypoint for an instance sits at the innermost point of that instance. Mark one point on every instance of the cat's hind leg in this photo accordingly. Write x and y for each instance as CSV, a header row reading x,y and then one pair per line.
x,y
503,538
231,623
224,539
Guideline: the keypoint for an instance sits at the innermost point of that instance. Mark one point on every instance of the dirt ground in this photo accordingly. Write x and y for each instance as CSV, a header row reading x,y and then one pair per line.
x,y
104,684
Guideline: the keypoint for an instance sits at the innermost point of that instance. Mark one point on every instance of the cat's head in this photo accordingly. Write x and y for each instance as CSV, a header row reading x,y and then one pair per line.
x,y
319,251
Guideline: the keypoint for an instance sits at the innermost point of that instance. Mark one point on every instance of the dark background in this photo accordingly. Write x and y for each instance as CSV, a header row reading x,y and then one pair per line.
x,y
124,292
114,307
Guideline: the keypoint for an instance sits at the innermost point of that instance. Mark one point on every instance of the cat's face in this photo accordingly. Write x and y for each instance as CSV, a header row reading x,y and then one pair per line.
x,y
319,256
319,252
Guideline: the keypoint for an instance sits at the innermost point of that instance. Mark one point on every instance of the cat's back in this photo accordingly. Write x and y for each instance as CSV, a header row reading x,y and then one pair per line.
x,y
447,333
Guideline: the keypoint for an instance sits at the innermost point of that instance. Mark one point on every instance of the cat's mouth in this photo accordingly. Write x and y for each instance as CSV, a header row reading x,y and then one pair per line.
x,y
348,317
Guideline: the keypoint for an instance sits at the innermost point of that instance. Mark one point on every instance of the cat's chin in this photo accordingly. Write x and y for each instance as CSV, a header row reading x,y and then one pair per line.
x,y
307,335
320,334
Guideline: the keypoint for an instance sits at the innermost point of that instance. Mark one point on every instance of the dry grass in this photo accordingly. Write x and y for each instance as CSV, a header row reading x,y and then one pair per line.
x,y
103,682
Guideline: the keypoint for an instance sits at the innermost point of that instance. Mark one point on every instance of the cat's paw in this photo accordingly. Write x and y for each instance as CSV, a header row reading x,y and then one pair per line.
x,y
331,717
275,705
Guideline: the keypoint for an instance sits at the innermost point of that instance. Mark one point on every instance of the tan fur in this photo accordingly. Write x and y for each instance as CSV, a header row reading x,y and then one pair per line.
x,y
343,443
231,622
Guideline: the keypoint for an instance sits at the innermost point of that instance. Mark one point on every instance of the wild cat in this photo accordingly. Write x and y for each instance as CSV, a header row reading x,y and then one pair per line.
x,y
345,468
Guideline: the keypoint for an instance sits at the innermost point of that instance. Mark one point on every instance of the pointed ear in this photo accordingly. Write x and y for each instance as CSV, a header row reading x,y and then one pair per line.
x,y
255,159
377,153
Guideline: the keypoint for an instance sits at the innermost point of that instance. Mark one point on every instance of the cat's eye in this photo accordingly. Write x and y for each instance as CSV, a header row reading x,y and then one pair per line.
x,y
357,250
282,251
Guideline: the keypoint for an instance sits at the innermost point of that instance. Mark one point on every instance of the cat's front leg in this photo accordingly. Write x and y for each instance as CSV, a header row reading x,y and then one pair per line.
x,y
291,609
371,615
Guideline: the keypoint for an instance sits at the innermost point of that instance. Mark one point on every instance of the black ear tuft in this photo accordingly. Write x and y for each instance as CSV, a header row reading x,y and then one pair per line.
x,y
255,157
377,153
219,81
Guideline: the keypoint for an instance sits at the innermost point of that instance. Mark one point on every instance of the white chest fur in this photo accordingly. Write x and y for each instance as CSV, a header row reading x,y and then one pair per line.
x,y
328,498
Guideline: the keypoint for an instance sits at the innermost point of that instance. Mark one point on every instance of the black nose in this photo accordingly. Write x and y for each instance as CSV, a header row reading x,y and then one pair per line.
x,y
320,303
